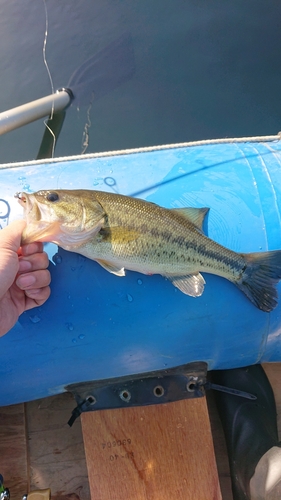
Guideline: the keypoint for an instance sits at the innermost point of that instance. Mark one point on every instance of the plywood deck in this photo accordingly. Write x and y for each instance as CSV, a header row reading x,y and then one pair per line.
x,y
160,451
13,452
39,450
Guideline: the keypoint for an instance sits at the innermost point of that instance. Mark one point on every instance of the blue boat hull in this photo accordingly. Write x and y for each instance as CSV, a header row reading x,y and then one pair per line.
x,y
96,325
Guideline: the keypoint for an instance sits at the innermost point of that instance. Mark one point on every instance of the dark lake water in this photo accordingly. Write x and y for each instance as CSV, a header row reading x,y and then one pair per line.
x,y
202,70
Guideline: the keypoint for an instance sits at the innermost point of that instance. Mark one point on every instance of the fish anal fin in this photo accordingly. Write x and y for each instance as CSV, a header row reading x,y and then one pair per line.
x,y
111,268
118,234
194,215
191,284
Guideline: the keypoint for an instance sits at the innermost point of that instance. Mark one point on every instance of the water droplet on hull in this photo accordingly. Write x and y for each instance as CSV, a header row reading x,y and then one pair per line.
x,y
34,319
57,259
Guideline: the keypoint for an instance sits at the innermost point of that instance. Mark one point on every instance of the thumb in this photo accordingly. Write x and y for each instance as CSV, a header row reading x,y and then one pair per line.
x,y
10,236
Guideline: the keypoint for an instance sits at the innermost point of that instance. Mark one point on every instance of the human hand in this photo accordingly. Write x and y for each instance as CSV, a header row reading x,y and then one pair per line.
x,y
24,278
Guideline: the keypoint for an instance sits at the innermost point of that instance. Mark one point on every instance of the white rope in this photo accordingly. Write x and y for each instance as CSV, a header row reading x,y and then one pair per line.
x,y
148,149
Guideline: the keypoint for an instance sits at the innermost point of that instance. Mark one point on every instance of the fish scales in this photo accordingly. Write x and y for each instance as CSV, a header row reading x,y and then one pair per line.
x,y
164,234
122,232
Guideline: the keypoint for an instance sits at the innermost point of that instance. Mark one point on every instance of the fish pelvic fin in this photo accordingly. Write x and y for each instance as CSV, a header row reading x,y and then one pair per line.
x,y
194,215
260,277
111,268
191,284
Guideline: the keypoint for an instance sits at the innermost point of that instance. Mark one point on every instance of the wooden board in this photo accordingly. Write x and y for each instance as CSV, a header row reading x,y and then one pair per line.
x,y
164,451
56,451
13,450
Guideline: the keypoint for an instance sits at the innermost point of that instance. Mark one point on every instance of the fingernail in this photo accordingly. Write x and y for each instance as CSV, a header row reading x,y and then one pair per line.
x,y
25,280
24,265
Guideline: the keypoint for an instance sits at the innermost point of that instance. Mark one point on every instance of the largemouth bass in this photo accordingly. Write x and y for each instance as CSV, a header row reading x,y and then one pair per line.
x,y
120,232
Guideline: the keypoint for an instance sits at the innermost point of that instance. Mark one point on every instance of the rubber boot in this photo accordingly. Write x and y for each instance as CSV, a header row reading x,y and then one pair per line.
x,y
250,426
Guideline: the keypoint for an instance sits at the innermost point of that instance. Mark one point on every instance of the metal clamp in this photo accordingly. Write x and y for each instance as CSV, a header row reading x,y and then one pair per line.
x,y
161,386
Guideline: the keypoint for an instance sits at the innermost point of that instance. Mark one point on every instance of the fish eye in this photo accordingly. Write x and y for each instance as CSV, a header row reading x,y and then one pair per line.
x,y
52,196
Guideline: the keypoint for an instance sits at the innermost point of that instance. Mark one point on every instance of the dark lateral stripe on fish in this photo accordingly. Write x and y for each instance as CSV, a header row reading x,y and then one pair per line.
x,y
180,241
234,264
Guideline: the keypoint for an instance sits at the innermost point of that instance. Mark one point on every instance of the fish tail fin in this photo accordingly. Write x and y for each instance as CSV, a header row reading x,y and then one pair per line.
x,y
260,277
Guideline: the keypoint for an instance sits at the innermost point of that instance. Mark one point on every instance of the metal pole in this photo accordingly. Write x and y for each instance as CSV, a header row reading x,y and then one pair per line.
x,y
34,110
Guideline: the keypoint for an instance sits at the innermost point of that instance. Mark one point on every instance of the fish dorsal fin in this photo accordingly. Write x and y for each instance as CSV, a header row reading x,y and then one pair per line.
x,y
118,234
194,215
191,284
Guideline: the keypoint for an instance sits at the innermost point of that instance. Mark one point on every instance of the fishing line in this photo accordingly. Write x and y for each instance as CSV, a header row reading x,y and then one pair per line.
x,y
85,136
49,75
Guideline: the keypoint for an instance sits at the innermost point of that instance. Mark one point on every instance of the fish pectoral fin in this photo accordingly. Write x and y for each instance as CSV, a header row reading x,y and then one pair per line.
x,y
191,284
194,215
118,234
111,268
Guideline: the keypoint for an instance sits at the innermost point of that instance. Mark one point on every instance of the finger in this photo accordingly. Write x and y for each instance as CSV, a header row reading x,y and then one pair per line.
x,y
33,262
36,297
11,235
35,279
32,248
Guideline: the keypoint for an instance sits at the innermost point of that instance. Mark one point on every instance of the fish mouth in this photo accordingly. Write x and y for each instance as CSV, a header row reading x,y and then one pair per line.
x,y
22,197
25,201
33,211
39,226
